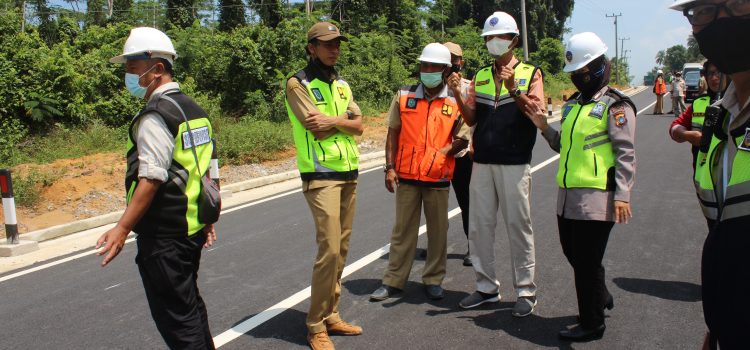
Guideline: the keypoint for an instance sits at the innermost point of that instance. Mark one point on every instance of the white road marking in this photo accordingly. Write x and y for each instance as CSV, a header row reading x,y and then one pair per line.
x,y
110,287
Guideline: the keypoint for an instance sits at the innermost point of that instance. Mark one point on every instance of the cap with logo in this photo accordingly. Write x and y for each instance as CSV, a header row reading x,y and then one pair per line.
x,y
324,31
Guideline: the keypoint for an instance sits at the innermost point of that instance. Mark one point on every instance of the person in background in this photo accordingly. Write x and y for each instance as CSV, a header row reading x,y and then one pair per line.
x,y
660,89
678,94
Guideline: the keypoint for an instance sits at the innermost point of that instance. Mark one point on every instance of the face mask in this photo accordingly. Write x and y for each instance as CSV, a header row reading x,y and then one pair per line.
x,y
498,47
592,81
431,80
132,83
723,46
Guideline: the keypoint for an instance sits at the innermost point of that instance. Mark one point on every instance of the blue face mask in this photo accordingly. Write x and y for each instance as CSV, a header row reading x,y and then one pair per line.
x,y
132,83
431,80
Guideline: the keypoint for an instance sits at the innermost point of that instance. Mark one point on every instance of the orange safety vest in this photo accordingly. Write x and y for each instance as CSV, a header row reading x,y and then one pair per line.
x,y
660,87
426,127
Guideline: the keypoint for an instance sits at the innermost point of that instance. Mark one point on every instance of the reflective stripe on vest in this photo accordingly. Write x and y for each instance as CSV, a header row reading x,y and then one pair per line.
x,y
586,153
174,210
426,127
336,153
737,201
699,112
485,85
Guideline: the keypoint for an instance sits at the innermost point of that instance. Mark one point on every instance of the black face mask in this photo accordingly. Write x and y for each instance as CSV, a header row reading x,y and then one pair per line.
x,y
723,43
594,80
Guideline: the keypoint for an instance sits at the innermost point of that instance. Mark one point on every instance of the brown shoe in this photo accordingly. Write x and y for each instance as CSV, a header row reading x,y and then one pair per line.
x,y
343,328
320,341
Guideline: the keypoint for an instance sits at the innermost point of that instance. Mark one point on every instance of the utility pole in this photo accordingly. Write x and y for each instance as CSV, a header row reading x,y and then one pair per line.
x,y
617,71
308,7
523,24
622,45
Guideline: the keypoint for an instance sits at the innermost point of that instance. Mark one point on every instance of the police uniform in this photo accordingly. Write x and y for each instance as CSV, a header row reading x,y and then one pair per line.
x,y
329,170
425,125
722,181
170,236
597,167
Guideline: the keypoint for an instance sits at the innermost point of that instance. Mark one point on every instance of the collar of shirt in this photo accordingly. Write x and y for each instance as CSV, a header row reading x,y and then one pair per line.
x,y
422,93
166,87
326,74
596,96
738,114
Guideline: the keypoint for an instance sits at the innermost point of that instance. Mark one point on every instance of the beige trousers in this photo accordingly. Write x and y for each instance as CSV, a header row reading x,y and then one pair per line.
x,y
506,188
659,107
332,204
409,201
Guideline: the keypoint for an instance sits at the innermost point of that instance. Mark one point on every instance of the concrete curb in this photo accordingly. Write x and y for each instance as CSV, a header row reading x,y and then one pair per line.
x,y
227,190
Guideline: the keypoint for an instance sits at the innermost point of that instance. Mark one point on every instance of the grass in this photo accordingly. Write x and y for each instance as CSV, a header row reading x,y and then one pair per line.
x,y
27,188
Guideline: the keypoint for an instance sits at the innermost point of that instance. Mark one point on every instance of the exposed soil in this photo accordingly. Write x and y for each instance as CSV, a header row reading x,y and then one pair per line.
x,y
85,187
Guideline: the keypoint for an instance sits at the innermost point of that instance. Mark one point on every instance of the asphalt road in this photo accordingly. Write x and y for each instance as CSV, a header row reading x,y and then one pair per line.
x,y
265,253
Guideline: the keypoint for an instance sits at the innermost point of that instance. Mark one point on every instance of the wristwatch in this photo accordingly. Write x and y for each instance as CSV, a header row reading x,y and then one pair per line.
x,y
515,92
387,167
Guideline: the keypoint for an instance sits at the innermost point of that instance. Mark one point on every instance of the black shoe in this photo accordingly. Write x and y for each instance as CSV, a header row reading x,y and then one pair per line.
x,y
579,334
385,292
434,292
467,260
421,254
610,304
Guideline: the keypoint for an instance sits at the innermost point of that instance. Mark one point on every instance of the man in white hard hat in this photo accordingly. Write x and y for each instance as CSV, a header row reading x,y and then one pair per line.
x,y
462,173
162,184
722,172
325,119
595,176
425,131
501,177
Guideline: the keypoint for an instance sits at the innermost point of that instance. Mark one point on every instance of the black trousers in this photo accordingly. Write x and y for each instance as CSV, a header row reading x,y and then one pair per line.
x,y
460,182
583,243
169,271
725,275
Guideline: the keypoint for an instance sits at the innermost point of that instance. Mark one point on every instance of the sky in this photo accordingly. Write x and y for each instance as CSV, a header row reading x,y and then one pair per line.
x,y
650,25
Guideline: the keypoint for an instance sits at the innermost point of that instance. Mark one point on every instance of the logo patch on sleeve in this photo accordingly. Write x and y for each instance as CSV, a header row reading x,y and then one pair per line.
x,y
317,94
411,103
598,110
745,145
447,109
483,82
200,135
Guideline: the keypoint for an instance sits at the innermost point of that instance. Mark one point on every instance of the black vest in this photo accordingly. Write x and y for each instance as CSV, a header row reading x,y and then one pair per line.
x,y
166,217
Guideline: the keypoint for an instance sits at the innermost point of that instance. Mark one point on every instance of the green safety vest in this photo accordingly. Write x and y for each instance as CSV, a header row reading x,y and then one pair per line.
x,y
339,152
586,153
174,210
699,112
736,203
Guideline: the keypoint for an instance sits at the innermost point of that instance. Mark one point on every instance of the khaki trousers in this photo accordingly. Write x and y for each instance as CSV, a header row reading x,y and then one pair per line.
x,y
659,107
507,188
332,205
409,200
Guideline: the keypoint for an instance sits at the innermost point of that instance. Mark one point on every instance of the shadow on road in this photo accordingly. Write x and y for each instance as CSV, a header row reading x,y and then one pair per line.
x,y
669,290
278,327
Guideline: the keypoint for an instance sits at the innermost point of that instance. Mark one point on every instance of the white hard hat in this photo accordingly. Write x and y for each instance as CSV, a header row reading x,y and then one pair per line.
x,y
680,5
436,53
150,42
500,23
659,71
581,49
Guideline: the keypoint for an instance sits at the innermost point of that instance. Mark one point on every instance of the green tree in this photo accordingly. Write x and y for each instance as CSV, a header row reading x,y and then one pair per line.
x,y
660,56
95,13
549,56
675,57
693,51
270,12
121,10
232,14
181,13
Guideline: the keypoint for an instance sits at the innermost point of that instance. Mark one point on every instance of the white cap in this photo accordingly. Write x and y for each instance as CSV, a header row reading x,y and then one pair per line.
x,y
500,23
581,49
436,53
149,42
680,5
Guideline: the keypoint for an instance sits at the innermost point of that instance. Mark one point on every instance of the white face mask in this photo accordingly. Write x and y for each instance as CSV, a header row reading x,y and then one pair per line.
x,y
498,47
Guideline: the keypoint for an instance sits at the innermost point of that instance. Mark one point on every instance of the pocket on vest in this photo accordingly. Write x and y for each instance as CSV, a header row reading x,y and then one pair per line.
x,y
433,164
406,161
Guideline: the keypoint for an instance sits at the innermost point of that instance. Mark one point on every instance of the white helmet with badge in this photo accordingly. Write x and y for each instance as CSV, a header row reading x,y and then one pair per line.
x,y
581,49
500,23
